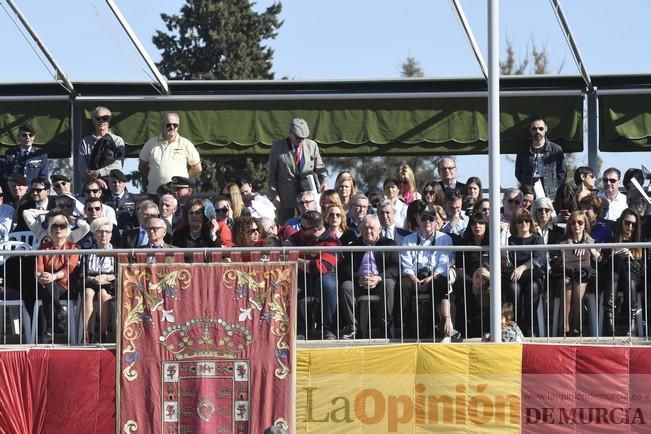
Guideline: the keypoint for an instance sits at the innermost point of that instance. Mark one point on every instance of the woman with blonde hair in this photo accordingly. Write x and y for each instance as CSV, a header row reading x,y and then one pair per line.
x,y
232,191
335,221
329,198
345,187
407,183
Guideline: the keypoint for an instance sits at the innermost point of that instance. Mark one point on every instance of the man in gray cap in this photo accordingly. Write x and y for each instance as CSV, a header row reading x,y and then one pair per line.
x,y
295,165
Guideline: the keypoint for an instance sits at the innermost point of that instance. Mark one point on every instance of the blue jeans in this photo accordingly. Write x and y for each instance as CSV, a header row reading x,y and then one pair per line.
x,y
322,295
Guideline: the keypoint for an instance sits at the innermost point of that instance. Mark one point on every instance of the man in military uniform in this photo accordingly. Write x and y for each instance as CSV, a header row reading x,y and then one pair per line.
x,y
27,160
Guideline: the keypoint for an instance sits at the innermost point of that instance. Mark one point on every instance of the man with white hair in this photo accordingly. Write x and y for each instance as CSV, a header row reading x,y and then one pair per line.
x,y
168,205
168,155
386,214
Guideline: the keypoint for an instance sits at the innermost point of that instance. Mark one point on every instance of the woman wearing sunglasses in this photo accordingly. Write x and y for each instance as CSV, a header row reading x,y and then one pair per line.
x,y
55,273
622,270
335,222
200,231
524,270
578,269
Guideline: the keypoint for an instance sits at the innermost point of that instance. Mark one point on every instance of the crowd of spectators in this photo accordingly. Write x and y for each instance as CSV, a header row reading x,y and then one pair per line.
x,y
422,293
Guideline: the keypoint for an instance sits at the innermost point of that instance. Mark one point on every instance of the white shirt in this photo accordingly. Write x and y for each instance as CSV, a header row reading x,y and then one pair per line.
x,y
615,206
6,220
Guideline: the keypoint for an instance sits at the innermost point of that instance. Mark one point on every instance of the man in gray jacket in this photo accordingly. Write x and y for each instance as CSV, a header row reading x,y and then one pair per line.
x,y
543,160
295,165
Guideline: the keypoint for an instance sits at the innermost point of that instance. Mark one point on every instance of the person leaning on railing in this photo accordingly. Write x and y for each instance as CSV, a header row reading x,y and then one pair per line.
x,y
621,270
522,276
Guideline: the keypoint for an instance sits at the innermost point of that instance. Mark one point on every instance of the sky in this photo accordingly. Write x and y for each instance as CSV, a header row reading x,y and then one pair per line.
x,y
337,39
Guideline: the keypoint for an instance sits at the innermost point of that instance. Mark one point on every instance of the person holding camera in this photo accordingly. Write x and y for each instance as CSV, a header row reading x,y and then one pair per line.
x,y
425,278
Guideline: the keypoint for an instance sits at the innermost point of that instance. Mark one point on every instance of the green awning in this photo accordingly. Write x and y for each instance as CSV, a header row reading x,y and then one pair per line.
x,y
351,126
50,119
625,123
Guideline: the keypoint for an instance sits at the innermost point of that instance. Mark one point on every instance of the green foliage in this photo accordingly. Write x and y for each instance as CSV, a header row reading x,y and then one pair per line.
x,y
218,172
411,68
218,40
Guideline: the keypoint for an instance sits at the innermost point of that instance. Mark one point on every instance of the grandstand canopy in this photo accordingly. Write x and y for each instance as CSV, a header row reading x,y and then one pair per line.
x,y
382,117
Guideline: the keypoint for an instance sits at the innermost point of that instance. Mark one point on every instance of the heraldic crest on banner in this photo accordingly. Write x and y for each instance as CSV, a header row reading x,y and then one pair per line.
x,y
207,338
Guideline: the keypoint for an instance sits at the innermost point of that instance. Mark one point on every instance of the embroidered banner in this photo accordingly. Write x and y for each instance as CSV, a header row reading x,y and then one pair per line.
x,y
206,348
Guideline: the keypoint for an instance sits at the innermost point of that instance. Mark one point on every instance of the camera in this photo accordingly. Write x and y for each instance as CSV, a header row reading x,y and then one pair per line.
x,y
423,273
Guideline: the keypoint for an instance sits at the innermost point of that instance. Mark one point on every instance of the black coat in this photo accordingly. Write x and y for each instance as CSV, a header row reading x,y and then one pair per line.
x,y
388,263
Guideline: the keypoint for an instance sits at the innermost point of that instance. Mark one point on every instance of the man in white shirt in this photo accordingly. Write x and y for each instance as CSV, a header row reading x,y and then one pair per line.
x,y
257,204
616,200
168,155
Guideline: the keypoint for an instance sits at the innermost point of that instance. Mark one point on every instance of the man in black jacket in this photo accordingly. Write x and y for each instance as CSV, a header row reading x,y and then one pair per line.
x,y
371,273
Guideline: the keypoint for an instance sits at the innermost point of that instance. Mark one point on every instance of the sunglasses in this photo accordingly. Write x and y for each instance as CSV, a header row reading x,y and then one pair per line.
x,y
253,231
521,222
59,226
172,126
222,210
92,190
93,208
537,128
196,212
103,118
577,222
515,201
26,135
629,223
155,228
610,180
428,218
37,190
428,192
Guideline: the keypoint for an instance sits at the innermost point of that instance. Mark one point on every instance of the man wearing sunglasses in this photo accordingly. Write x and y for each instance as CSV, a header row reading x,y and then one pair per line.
x,y
168,155
27,160
543,160
101,151
616,200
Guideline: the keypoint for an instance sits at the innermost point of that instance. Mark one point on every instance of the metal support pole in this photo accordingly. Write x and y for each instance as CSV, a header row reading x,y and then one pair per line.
x,y
136,42
574,48
494,167
76,134
471,37
592,114
60,74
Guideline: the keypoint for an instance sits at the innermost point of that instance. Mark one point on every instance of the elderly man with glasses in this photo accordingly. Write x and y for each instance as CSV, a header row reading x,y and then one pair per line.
x,y
26,160
101,151
168,155
542,160
447,168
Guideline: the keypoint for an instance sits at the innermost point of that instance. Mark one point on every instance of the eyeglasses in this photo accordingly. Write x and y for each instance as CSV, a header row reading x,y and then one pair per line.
x,y
576,222
629,223
610,180
102,118
27,135
514,201
93,208
59,226
305,202
155,228
92,190
102,232
37,190
253,231
172,126
537,128
444,168
545,210
222,210
427,218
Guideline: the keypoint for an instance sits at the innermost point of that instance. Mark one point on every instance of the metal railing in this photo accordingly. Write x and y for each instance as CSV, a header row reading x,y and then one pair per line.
x,y
610,303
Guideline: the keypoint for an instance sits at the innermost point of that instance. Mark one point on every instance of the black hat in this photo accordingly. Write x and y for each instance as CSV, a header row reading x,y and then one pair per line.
x,y
182,181
26,126
117,173
60,177
18,179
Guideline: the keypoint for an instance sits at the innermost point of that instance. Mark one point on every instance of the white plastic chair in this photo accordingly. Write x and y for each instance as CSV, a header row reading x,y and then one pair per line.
x,y
24,236
22,316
